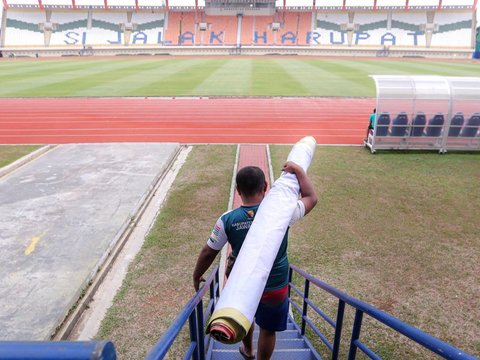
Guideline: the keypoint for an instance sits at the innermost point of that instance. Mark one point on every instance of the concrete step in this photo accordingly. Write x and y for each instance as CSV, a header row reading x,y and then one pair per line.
x,y
297,343
280,354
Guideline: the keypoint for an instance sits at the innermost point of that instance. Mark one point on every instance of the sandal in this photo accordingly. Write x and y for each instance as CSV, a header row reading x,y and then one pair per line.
x,y
245,356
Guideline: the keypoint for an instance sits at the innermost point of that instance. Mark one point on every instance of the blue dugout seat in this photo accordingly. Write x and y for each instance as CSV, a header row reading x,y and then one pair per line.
x,y
471,127
418,124
456,124
399,125
383,123
435,126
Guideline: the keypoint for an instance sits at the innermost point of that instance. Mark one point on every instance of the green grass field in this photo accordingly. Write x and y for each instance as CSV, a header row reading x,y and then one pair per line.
x,y
222,76
398,229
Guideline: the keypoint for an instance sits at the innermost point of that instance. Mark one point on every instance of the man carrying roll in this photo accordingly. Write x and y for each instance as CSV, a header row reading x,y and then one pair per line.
x,y
232,227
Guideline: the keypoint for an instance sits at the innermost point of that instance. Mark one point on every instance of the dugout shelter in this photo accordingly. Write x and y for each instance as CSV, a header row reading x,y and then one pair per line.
x,y
426,113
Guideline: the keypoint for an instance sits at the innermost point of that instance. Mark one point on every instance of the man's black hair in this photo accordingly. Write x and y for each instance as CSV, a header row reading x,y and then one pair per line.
x,y
250,180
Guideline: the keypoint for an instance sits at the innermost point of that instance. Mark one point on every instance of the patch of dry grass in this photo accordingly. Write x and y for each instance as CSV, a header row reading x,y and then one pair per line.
x,y
399,231
10,153
159,281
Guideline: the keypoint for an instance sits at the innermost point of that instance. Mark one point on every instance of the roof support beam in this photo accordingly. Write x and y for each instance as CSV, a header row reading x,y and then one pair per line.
x,y
105,3
40,4
374,5
344,7
406,5
5,4
136,5
439,4
73,4
284,5
314,5
475,3
166,5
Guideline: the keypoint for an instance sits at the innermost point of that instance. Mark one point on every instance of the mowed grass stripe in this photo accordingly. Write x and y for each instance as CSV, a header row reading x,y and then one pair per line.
x,y
26,83
80,80
181,82
415,68
135,78
261,76
344,78
271,78
33,67
234,77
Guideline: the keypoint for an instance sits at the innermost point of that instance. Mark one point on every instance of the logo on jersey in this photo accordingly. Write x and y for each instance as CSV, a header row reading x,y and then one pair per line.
x,y
214,235
250,214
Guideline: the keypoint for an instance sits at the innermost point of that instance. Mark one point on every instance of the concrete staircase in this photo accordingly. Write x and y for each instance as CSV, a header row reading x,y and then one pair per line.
x,y
289,346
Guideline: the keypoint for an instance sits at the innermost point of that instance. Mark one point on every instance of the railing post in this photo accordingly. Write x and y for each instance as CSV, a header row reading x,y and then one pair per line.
x,y
357,325
200,333
338,329
217,281
305,305
290,278
212,295
192,321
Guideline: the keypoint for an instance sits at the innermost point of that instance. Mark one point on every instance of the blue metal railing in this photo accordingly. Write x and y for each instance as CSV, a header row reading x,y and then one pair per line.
x,y
57,350
194,314
427,341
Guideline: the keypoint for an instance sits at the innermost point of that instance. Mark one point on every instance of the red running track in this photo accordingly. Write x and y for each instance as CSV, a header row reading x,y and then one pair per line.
x,y
184,120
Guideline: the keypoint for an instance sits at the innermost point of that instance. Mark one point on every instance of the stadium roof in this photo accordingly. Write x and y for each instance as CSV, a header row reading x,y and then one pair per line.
x,y
279,3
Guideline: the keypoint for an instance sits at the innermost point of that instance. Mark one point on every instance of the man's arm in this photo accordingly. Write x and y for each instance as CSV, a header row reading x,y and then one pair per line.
x,y
205,259
309,197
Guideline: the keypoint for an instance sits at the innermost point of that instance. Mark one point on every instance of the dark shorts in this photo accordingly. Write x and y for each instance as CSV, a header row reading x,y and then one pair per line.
x,y
272,312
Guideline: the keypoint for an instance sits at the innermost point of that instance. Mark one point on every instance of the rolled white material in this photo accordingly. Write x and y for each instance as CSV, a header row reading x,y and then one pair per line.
x,y
254,262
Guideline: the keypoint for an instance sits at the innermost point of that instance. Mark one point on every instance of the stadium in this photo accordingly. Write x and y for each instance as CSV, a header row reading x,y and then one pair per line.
x,y
123,124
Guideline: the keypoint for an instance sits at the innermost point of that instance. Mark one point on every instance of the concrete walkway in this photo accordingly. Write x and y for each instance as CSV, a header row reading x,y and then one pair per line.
x,y
59,215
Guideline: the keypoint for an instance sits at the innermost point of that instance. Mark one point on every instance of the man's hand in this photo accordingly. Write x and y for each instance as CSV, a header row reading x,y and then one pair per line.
x,y
309,197
196,283
205,259
292,167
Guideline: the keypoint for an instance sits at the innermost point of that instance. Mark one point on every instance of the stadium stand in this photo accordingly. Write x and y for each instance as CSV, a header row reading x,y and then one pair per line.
x,y
406,28
373,29
70,27
452,31
296,27
422,31
23,28
329,27
148,28
222,30
106,28
181,28
260,32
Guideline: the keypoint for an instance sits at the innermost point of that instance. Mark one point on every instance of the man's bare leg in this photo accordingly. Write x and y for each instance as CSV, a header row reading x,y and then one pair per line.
x,y
248,342
266,344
